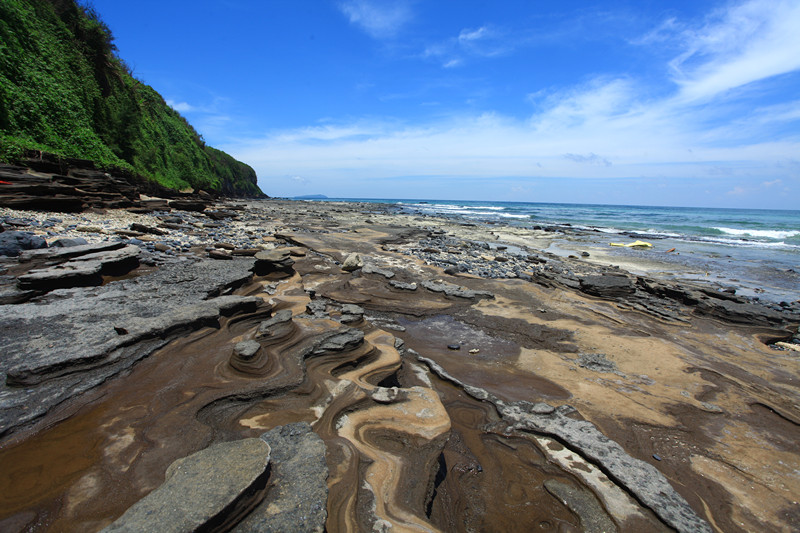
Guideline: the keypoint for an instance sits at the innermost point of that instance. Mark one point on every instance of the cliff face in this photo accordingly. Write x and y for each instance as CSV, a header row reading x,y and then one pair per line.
x,y
63,89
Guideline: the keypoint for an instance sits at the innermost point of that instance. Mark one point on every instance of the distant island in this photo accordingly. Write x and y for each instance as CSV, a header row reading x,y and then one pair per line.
x,y
311,197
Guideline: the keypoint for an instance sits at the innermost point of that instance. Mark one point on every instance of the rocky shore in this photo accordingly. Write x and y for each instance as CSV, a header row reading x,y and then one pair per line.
x,y
242,365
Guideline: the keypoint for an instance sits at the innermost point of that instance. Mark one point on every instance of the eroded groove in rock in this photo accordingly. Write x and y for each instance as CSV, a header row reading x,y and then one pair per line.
x,y
334,351
393,437
638,477
492,481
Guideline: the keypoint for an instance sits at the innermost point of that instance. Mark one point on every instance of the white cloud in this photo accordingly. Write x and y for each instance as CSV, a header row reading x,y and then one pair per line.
x,y
739,45
484,41
381,19
472,35
180,107
694,129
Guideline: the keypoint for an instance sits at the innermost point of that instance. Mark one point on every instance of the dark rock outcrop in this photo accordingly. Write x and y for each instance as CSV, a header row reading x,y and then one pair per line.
x,y
14,242
110,328
607,285
269,261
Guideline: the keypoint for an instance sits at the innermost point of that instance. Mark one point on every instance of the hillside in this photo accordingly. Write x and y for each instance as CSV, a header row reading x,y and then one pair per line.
x,y
64,90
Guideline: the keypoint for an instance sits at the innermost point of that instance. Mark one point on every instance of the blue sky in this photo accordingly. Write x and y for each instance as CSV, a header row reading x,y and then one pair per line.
x,y
622,102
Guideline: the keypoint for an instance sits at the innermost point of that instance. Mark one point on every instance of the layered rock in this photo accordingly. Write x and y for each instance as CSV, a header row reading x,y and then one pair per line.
x,y
203,491
77,338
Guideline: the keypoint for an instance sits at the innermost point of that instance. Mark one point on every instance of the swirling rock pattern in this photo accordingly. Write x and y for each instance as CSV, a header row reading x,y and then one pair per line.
x,y
373,423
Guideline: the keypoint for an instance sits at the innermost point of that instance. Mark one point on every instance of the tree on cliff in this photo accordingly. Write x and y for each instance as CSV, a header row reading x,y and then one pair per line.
x,y
64,89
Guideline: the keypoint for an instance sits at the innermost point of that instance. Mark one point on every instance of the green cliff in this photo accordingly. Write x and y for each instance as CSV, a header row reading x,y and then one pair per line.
x,y
64,90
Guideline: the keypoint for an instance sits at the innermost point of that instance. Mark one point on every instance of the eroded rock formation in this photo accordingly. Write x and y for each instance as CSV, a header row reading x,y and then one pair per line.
x,y
340,392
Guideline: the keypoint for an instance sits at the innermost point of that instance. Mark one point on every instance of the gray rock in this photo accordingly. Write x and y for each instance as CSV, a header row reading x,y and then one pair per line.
x,y
200,489
246,349
83,270
372,269
352,309
597,362
272,325
403,286
276,260
346,339
455,290
83,274
70,343
593,517
66,253
352,263
607,286
317,308
67,243
14,242
298,492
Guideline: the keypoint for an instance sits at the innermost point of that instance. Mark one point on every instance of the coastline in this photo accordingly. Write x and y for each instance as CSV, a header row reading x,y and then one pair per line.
x,y
671,381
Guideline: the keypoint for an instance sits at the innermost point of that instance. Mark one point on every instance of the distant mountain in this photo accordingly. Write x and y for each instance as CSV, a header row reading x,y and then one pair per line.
x,y
64,90
311,197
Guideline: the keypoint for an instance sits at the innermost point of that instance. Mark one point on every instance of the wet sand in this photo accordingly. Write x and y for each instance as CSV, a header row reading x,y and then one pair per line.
x,y
707,403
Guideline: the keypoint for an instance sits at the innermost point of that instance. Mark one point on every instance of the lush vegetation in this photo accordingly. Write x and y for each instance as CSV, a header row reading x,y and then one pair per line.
x,y
64,90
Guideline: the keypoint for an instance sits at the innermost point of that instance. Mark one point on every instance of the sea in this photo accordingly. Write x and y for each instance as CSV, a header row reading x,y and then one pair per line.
x,y
756,251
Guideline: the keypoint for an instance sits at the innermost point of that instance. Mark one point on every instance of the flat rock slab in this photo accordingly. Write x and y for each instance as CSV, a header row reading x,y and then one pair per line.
x,y
457,291
83,270
276,260
70,340
200,489
607,286
65,253
298,492
372,269
83,274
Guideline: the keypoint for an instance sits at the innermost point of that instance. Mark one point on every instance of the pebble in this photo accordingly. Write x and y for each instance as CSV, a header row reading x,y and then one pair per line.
x,y
453,346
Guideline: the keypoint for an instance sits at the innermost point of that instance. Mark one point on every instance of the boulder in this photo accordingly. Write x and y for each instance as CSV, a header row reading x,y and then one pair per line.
x,y
246,349
14,242
352,263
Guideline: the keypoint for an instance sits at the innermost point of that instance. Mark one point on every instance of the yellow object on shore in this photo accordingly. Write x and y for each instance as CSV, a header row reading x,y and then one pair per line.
x,y
634,244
